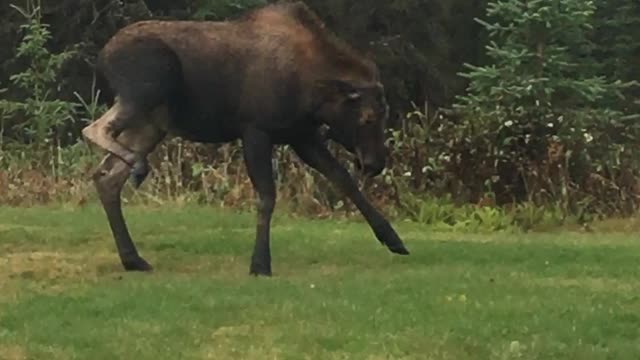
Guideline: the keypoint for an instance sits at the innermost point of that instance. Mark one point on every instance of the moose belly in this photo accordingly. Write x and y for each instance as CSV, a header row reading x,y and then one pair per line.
x,y
192,126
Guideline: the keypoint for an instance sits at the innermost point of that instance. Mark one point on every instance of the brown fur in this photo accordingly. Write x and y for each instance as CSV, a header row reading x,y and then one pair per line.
x,y
308,43
317,42
276,67
273,76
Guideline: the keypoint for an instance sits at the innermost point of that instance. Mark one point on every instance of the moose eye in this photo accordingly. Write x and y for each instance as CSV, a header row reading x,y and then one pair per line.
x,y
354,95
367,117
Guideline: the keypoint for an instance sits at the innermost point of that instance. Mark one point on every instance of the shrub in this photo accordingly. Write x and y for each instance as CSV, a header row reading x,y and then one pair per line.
x,y
536,124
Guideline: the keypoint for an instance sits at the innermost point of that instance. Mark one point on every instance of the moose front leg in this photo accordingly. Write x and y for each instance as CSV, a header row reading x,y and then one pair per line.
x,y
316,155
258,149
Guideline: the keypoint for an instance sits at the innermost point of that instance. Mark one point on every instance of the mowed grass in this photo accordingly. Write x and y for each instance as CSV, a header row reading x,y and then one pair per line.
x,y
336,293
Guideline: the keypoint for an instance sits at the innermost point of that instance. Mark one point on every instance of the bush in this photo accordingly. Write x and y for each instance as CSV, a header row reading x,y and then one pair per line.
x,y
537,124
220,10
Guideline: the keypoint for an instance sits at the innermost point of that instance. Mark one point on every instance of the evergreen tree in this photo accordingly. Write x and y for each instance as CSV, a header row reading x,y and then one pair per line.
x,y
542,101
617,35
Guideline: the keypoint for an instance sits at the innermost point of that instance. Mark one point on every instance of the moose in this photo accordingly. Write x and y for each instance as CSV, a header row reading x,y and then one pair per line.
x,y
275,75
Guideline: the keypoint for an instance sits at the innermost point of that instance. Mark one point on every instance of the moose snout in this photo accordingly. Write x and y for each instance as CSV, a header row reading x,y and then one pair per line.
x,y
370,164
373,169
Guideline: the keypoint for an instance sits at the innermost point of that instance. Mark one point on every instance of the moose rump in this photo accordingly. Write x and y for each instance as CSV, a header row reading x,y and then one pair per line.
x,y
273,76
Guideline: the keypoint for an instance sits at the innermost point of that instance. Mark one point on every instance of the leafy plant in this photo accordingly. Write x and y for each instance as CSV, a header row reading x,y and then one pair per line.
x,y
41,114
222,9
538,114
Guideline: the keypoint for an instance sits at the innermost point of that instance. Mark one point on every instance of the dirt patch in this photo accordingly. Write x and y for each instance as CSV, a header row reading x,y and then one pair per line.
x,y
213,266
12,352
52,265
260,343
26,228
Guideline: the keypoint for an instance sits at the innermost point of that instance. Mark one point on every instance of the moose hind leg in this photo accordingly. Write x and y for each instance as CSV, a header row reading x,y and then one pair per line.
x,y
146,74
105,131
109,178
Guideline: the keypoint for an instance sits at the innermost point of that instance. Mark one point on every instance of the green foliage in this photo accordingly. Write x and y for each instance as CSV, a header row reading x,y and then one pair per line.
x,y
537,113
35,129
445,216
617,35
41,113
222,9
537,72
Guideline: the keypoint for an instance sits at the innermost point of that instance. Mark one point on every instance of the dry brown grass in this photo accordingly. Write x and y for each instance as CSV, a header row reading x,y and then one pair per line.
x,y
52,265
12,352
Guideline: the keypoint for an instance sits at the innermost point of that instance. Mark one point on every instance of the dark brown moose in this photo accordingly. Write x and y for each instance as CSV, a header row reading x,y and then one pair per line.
x,y
273,76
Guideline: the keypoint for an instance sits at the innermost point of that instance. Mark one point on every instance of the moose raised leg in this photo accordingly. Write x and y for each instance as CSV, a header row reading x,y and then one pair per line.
x,y
109,178
105,133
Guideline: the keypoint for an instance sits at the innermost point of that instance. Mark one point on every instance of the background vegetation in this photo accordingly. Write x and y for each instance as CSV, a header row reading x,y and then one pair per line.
x,y
506,113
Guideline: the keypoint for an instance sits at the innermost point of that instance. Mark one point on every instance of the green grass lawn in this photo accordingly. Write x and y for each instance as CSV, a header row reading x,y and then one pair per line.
x,y
336,293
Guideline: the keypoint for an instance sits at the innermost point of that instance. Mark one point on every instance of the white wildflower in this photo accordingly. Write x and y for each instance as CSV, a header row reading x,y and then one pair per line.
x,y
588,137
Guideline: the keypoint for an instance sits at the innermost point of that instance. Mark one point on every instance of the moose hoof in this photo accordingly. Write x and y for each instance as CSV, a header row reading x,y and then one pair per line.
x,y
138,264
260,270
139,172
388,237
400,250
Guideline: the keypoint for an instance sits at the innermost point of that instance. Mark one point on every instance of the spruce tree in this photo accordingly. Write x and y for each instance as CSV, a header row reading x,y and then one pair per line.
x,y
617,35
541,102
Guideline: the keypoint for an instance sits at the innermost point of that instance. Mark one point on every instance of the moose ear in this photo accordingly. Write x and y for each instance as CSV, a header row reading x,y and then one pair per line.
x,y
369,55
